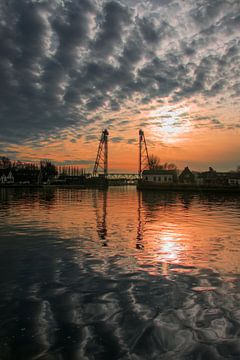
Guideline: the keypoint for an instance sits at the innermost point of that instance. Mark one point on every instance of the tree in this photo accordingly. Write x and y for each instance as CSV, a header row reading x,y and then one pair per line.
x,y
5,163
169,166
154,163
48,170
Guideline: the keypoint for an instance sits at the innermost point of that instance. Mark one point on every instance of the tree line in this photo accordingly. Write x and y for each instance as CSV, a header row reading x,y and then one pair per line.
x,y
27,171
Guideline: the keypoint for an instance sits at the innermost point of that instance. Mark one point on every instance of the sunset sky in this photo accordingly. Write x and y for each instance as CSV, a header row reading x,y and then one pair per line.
x,y
70,68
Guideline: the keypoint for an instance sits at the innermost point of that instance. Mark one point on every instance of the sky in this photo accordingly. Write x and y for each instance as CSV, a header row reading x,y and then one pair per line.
x,y
70,68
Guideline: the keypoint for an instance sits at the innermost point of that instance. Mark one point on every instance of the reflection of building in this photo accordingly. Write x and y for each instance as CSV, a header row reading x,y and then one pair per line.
x,y
160,176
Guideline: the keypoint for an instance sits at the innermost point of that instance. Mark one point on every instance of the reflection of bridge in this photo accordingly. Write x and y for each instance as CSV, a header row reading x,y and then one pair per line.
x,y
100,203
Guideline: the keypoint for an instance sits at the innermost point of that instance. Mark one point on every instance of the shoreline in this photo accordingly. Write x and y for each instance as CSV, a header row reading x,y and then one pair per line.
x,y
142,186
188,188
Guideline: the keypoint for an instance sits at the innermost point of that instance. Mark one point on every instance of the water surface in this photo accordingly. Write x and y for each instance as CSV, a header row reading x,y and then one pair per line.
x,y
117,274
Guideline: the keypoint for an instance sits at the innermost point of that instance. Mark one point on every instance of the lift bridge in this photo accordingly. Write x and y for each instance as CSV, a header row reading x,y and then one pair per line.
x,y
101,163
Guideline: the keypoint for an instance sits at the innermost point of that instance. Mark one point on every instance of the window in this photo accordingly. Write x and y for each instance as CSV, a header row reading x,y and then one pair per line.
x,y
165,178
154,178
159,178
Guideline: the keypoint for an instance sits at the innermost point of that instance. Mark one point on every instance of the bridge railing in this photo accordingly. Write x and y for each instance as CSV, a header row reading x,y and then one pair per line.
x,y
115,176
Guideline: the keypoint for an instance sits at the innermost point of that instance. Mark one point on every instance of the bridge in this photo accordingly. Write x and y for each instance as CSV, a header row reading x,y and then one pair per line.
x,y
101,163
130,177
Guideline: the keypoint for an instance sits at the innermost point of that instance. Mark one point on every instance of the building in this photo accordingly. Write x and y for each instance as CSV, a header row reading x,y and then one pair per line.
x,y
214,178
3,179
186,177
10,178
6,177
160,176
234,179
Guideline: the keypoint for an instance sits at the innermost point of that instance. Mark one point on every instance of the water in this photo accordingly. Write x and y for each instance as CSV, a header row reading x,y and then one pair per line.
x,y
88,274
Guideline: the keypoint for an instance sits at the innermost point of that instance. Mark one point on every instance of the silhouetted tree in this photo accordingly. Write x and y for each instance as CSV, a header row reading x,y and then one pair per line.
x,y
155,164
48,170
5,163
169,166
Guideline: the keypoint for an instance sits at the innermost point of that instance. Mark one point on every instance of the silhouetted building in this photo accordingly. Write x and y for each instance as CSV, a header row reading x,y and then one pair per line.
x,y
26,175
186,177
214,178
234,179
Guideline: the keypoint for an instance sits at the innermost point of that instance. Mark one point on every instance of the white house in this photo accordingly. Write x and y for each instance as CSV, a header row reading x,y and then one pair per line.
x,y
159,176
3,179
10,178
7,179
234,180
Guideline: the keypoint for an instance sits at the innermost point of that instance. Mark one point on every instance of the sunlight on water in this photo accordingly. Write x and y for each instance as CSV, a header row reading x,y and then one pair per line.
x,y
118,274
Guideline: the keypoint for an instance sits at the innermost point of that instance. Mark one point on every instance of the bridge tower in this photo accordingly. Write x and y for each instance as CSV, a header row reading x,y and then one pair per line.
x,y
143,154
101,161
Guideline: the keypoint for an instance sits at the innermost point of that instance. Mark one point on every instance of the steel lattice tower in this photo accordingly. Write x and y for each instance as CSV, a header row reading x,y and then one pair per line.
x,y
143,154
102,155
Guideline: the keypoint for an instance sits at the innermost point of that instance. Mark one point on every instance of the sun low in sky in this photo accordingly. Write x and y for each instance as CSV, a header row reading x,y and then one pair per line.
x,y
70,68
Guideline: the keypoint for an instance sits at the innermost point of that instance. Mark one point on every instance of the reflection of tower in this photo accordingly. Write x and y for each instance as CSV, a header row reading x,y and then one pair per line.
x,y
101,216
101,161
139,239
143,154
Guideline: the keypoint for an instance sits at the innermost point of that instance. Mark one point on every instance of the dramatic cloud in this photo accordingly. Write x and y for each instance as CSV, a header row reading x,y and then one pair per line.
x,y
65,61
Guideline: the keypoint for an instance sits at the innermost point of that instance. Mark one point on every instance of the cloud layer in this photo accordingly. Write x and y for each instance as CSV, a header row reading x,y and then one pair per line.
x,y
67,64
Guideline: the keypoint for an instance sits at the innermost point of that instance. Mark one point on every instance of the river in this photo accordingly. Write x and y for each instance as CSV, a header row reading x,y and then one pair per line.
x,y
118,274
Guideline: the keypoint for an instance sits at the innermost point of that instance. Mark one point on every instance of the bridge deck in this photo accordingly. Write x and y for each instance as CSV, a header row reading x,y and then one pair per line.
x,y
117,176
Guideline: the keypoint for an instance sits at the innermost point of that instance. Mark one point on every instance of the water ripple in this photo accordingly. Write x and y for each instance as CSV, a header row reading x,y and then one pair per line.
x,y
83,276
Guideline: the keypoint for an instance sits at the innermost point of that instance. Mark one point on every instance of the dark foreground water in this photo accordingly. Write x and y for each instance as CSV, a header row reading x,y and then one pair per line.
x,y
87,274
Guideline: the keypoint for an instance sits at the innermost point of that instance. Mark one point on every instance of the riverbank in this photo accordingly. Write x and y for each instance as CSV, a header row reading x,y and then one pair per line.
x,y
147,185
33,186
12,186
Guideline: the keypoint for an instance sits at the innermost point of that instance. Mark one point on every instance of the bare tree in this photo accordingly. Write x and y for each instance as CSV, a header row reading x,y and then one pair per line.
x,y
5,163
154,163
48,170
169,166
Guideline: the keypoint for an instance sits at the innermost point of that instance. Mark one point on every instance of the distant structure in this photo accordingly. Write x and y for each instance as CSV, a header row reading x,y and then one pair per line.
x,y
214,178
187,177
143,154
210,180
6,177
101,161
151,174
160,176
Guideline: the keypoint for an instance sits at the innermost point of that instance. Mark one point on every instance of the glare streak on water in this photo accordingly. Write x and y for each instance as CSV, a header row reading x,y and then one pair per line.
x,y
117,274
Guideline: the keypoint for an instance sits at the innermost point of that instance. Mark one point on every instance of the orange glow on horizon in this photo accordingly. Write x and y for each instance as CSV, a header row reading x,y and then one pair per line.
x,y
183,134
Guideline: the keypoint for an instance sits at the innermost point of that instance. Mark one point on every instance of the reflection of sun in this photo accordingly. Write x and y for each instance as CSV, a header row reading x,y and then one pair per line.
x,y
168,247
170,123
